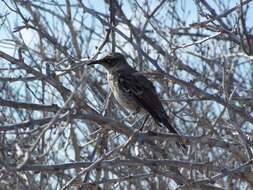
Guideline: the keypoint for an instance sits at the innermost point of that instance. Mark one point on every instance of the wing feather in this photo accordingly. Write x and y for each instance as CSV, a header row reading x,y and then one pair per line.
x,y
143,93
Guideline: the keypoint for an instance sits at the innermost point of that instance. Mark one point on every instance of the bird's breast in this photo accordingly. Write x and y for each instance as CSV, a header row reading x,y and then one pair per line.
x,y
122,98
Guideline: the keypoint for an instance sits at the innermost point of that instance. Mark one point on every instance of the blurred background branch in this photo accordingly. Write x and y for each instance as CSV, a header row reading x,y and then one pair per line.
x,y
60,126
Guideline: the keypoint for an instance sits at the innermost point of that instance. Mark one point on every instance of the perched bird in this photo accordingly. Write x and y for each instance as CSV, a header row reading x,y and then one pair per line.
x,y
133,90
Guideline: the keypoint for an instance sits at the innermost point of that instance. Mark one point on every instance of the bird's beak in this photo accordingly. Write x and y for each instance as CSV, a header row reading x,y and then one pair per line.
x,y
93,62
102,61
99,61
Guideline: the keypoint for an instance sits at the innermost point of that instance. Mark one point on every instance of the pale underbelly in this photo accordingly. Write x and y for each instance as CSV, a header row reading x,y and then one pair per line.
x,y
124,100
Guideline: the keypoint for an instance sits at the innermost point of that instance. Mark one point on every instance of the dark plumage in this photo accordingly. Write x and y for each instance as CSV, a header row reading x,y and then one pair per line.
x,y
133,90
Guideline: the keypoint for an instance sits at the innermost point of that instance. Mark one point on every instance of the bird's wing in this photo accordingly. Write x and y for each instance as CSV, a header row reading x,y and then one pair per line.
x,y
143,93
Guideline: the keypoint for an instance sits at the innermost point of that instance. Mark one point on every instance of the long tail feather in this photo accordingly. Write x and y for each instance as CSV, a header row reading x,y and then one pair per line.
x,y
182,146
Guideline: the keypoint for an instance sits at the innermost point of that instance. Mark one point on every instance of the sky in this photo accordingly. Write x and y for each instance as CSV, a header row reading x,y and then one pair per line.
x,y
190,15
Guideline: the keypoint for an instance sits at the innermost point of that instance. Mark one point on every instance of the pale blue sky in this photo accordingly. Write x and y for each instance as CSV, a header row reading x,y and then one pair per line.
x,y
190,15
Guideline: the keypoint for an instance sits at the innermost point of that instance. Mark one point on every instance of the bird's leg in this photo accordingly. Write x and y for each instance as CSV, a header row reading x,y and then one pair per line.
x,y
144,122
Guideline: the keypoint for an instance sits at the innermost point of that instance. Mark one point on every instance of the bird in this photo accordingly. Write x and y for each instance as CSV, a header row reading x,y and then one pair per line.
x,y
133,90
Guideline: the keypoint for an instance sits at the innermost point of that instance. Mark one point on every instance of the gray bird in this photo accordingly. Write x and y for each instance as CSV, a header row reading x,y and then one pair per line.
x,y
132,90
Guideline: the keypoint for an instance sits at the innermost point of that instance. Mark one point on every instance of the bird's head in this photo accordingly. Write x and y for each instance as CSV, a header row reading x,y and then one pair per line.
x,y
110,61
